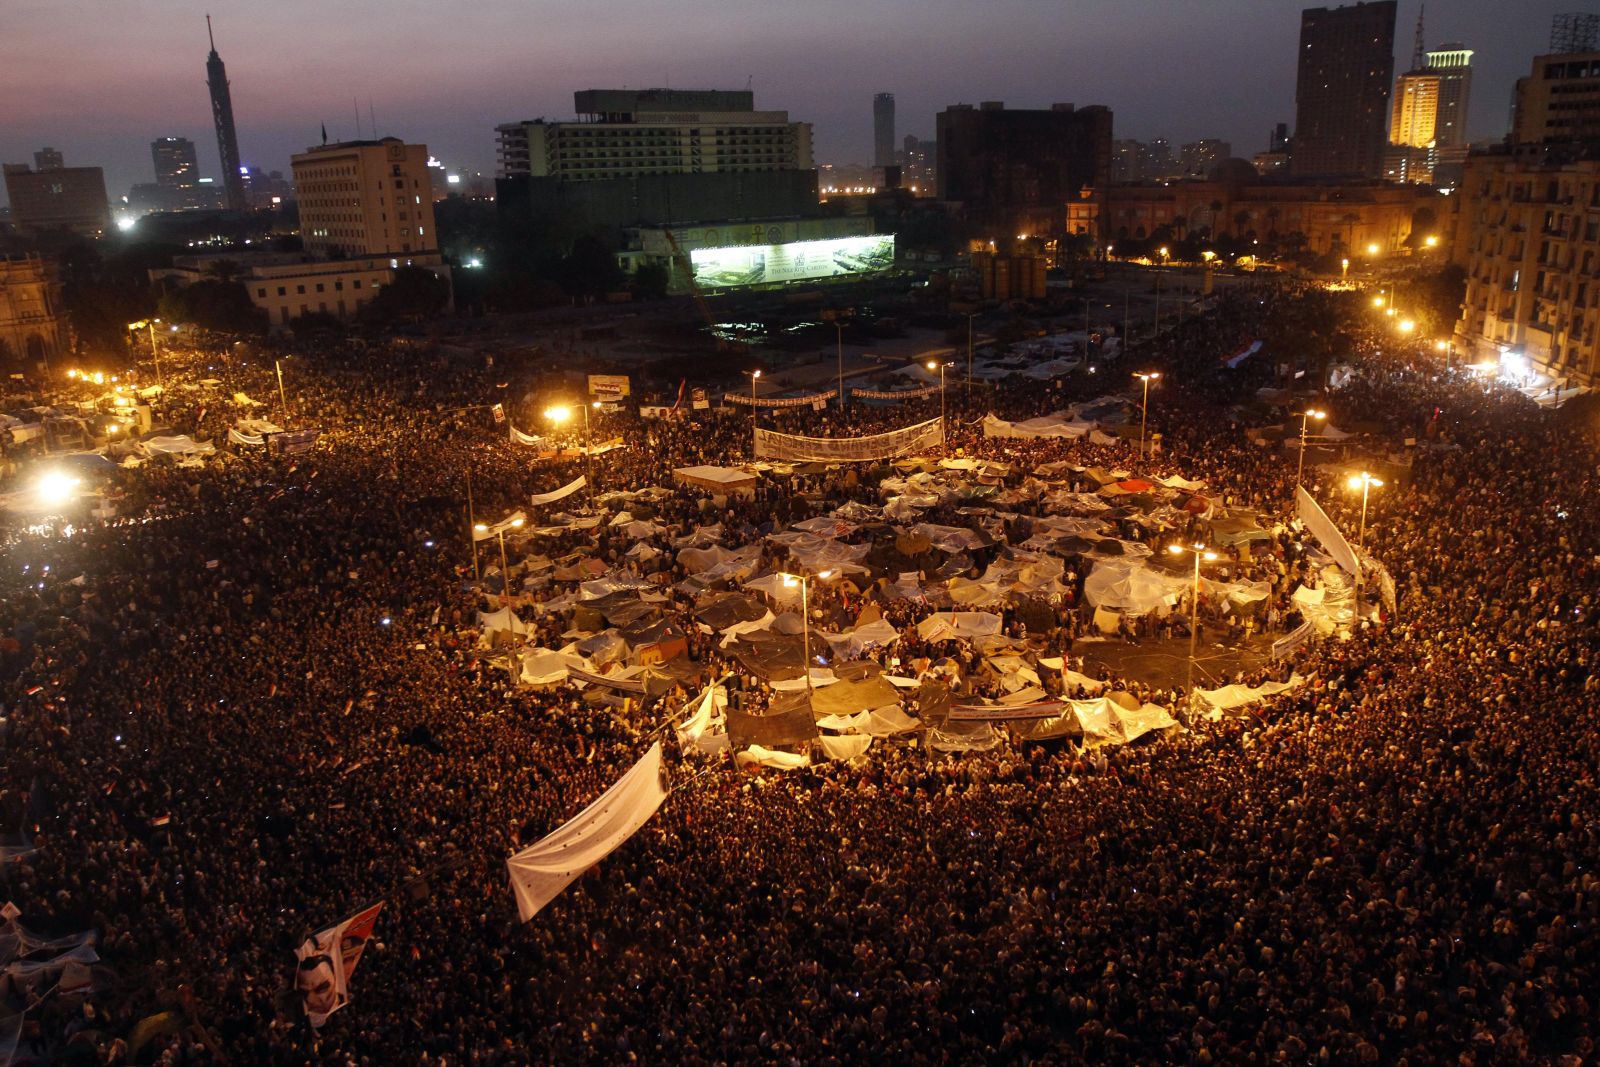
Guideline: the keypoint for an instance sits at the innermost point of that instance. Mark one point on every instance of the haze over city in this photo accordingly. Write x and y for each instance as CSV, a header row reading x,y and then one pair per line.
x,y
101,88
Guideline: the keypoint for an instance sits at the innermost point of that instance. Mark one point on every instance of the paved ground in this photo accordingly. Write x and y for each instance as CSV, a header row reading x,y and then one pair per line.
x,y
1164,664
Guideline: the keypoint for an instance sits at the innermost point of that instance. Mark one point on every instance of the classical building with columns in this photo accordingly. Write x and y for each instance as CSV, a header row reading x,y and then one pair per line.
x,y
33,330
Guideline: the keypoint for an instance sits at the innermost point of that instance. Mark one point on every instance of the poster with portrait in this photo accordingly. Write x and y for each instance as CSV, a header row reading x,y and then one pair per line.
x,y
328,959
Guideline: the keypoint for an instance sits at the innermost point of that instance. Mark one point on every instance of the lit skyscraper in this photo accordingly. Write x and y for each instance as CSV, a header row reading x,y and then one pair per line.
x,y
222,113
175,161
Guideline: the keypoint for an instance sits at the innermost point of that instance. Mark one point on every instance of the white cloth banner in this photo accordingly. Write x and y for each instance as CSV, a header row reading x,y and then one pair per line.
x,y
1325,531
559,494
542,870
520,438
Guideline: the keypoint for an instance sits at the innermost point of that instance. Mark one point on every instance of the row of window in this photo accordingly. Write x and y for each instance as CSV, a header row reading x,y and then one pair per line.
x,y
300,290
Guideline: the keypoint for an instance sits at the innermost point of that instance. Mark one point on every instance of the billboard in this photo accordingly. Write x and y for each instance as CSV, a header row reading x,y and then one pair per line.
x,y
721,268
609,387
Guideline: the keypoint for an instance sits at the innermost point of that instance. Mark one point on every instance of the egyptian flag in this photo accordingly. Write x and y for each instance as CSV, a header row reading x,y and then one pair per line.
x,y
681,383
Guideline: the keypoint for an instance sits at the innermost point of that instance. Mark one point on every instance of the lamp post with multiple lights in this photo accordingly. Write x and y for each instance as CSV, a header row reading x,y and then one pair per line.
x,y
1201,554
1305,417
1364,482
1144,405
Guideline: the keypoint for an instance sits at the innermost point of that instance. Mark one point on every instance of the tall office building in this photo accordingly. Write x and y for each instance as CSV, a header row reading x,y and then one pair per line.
x,y
57,198
1452,65
365,198
883,130
1559,101
1342,90
1014,172
48,158
175,160
222,115
1198,157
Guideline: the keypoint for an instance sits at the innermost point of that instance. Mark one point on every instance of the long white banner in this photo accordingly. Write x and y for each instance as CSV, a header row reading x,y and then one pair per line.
x,y
559,494
1324,530
542,870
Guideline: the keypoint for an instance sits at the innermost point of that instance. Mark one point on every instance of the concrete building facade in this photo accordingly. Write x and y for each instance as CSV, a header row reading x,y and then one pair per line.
x,y
59,198
1342,90
1559,100
33,330
365,198
1528,235
1013,172
1338,219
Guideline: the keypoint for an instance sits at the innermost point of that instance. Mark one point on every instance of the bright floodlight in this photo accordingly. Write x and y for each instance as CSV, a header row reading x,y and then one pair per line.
x,y
790,581
932,365
1406,325
480,527
1372,249
755,374
517,523
54,488
1176,550
824,575
558,414
1315,414
1377,301
1210,555
1430,240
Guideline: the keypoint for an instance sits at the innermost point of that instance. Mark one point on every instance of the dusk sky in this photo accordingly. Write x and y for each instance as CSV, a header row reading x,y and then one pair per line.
x,y
100,80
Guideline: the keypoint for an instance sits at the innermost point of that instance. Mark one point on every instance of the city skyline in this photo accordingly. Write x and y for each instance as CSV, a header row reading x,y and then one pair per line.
x,y
1202,77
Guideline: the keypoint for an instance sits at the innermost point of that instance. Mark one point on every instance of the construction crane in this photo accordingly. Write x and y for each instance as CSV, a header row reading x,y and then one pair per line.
x,y
679,259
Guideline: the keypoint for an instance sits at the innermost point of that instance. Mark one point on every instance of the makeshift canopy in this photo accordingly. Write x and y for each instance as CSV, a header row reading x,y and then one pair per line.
x,y
541,871
1216,701
720,479
1060,424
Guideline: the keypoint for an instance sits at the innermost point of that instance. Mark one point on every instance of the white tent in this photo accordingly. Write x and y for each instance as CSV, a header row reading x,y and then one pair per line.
x,y
1228,697
945,625
1130,588
504,619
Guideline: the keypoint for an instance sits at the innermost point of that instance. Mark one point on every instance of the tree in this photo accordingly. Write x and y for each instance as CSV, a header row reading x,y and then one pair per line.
x,y
590,269
650,281
414,294
212,305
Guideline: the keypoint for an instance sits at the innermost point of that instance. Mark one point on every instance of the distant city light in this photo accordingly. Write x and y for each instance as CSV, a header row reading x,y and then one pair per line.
x,y
126,222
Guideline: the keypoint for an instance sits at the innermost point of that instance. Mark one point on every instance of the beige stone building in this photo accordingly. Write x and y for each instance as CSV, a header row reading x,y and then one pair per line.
x,y
1527,231
1559,100
33,331
365,198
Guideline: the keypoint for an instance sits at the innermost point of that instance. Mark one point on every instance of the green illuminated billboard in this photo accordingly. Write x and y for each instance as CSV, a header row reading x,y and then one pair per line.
x,y
721,268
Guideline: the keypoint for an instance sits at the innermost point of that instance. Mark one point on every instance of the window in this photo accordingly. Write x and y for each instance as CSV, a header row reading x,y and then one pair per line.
x,y
319,287
281,291
300,290
356,284
261,292
338,287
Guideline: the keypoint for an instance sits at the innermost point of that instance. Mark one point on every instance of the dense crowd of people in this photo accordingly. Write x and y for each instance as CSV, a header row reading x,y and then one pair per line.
x,y
256,700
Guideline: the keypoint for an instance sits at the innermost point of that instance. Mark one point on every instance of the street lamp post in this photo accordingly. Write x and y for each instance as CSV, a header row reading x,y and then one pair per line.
x,y
1144,406
755,376
1305,417
1201,553
1363,482
559,414
283,397
155,353
472,533
790,581
839,331
940,365
505,570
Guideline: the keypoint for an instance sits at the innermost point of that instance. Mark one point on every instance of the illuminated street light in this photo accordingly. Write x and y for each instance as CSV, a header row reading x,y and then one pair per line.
x,y
1431,241
1405,325
55,488
1305,417
1364,482
1144,406
1201,553
940,366
790,581
1372,249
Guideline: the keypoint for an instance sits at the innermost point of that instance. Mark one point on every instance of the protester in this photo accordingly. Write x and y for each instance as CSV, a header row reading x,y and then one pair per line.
x,y
256,701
